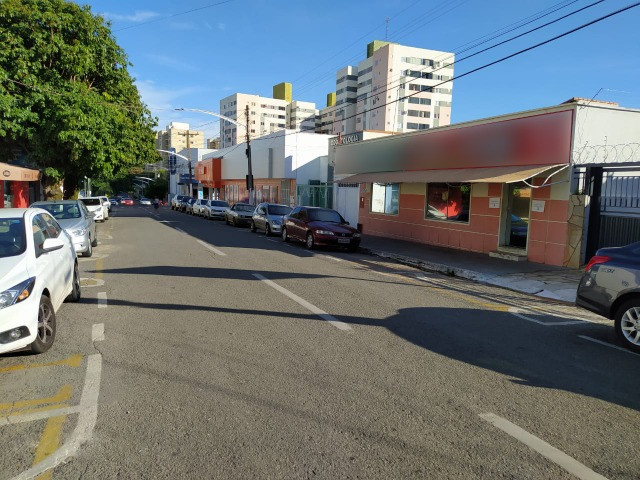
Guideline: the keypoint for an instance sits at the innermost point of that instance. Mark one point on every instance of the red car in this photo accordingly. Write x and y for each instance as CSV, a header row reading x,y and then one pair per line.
x,y
127,201
319,227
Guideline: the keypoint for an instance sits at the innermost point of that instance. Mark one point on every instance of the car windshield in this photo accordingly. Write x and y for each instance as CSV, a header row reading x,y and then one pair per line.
x,y
244,208
12,237
91,201
217,203
321,215
61,211
278,210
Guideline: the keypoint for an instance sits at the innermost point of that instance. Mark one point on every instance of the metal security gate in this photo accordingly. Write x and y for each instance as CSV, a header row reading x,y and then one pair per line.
x,y
614,218
315,195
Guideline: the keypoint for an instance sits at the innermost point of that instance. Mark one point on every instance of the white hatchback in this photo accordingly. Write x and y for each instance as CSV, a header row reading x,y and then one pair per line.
x,y
38,271
95,206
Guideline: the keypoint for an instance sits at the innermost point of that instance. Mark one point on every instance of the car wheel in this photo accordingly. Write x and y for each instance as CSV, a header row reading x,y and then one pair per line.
x,y
627,324
310,242
252,227
46,332
89,251
285,237
233,222
226,220
75,294
267,230
94,242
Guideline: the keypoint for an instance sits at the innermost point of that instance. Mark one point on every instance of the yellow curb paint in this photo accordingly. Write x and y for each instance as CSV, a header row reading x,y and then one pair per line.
x,y
72,361
49,443
63,395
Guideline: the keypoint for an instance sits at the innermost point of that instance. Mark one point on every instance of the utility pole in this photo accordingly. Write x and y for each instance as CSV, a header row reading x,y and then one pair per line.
x,y
248,151
188,134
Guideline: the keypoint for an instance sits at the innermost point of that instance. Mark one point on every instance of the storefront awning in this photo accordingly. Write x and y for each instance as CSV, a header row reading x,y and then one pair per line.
x,y
510,174
18,174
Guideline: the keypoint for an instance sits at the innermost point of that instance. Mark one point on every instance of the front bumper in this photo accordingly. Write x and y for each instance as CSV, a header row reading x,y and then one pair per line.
x,y
275,227
335,241
23,314
217,214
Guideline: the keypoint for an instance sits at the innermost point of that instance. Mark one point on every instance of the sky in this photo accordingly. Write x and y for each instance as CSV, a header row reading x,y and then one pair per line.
x,y
194,59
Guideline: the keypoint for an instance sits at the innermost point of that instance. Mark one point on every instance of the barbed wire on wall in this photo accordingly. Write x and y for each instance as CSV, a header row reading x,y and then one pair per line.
x,y
606,154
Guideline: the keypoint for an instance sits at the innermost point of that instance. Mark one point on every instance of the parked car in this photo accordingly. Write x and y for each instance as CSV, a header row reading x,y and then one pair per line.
x,y
268,217
74,217
38,271
113,202
611,288
127,201
95,206
175,201
182,206
199,206
239,214
319,227
188,206
216,209
106,203
145,201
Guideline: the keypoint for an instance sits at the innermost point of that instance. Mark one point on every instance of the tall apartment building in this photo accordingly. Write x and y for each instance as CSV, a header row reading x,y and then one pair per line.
x,y
266,115
175,136
326,115
407,76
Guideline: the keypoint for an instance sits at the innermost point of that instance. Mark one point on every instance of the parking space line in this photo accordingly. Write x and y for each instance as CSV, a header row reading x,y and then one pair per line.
x,y
47,412
607,344
72,361
102,299
63,395
97,332
312,308
211,247
548,451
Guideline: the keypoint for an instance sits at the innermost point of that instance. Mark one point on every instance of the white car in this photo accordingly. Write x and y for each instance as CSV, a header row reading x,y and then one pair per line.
x,y
199,206
107,204
38,271
145,201
95,206
216,209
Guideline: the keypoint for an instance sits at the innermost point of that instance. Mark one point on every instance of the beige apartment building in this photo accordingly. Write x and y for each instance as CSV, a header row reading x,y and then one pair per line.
x,y
178,135
412,78
327,115
301,116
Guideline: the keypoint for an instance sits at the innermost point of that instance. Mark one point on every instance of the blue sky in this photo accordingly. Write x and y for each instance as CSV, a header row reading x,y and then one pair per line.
x,y
195,59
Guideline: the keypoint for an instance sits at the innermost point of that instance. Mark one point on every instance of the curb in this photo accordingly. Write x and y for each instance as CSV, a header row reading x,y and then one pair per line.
x,y
452,272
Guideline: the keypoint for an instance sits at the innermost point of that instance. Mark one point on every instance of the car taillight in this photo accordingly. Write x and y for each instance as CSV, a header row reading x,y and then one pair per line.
x,y
595,260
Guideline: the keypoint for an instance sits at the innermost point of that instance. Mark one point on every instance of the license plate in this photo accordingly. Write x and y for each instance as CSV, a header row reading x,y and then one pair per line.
x,y
344,240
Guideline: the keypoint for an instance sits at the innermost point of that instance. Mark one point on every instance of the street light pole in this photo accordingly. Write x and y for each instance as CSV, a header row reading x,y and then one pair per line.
x,y
248,150
188,159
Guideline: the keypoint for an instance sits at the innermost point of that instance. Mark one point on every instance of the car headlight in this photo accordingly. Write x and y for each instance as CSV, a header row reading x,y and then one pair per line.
x,y
17,293
325,232
78,232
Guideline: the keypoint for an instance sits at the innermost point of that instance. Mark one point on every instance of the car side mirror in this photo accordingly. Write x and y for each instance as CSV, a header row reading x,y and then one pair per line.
x,y
52,244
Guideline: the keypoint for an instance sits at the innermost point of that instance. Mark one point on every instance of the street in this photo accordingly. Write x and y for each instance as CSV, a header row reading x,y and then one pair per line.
x,y
200,350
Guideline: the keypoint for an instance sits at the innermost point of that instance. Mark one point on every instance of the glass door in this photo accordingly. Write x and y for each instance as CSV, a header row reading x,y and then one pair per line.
x,y
517,220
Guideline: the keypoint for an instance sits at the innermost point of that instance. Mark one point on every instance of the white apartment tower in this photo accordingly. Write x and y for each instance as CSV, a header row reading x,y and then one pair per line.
x,y
407,76
178,135
326,115
266,115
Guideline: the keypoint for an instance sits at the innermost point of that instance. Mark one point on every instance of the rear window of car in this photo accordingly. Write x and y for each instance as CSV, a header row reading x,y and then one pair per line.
x,y
91,201
217,203
244,208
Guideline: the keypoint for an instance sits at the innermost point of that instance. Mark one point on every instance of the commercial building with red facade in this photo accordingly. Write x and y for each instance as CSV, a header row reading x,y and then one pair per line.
x,y
18,186
515,186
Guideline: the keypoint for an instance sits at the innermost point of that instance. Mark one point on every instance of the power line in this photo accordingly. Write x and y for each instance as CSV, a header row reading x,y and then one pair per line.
x,y
173,15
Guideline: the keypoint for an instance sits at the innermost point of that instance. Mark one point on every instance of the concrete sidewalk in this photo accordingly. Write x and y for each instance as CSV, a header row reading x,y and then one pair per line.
x,y
548,281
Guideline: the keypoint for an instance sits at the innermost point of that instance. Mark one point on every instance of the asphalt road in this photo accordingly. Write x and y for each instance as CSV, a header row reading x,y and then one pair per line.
x,y
200,350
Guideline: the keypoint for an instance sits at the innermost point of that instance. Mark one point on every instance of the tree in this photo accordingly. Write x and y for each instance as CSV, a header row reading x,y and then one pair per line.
x,y
67,99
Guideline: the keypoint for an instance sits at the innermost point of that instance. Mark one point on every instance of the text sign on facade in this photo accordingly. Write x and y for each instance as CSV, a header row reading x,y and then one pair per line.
x,y
537,206
494,202
346,139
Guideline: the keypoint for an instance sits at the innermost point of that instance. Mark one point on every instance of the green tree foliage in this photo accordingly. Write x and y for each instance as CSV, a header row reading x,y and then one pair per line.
x,y
158,188
66,96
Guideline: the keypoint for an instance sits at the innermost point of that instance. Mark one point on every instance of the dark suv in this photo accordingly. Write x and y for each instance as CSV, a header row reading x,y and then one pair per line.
x,y
319,227
611,288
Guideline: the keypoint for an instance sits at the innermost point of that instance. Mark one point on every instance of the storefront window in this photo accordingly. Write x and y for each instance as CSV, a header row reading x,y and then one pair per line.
x,y
448,202
385,198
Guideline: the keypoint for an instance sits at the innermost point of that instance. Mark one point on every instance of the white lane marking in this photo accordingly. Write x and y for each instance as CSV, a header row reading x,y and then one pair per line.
x,y
32,417
102,299
88,409
312,308
607,344
211,247
515,311
558,457
97,332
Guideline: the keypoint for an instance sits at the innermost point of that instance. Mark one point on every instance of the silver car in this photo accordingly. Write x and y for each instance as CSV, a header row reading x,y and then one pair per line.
x,y
199,206
76,220
239,214
268,217
216,209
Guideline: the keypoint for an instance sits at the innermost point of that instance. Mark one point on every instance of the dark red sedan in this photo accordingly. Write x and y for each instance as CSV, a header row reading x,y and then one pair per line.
x,y
127,201
319,227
